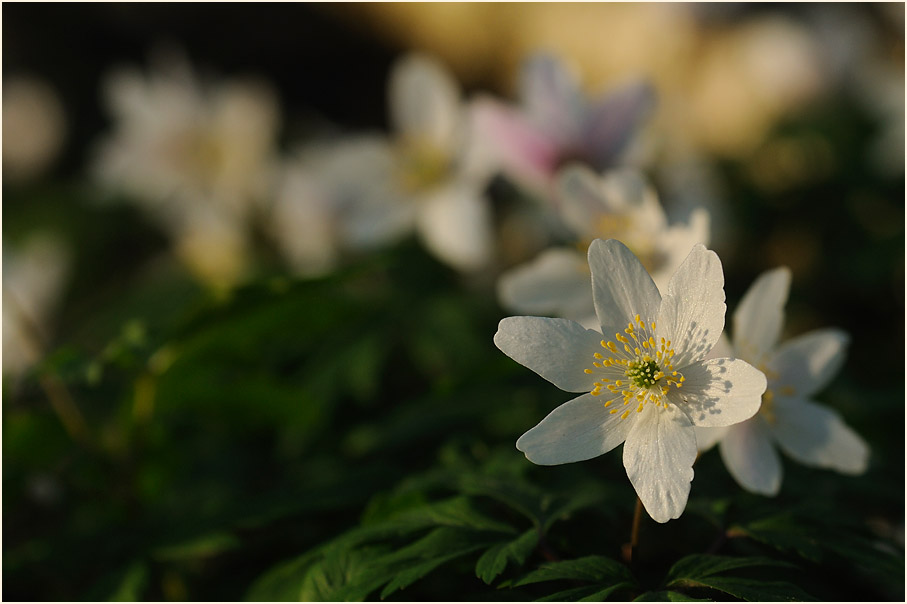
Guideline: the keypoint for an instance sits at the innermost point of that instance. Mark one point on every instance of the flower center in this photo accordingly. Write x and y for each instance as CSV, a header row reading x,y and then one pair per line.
x,y
767,409
635,369
626,229
421,165
642,373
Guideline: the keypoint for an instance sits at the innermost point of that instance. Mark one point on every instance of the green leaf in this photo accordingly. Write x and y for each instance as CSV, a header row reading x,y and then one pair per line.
x,y
416,571
587,593
785,533
703,565
454,512
284,582
493,562
402,567
542,509
342,575
132,586
201,547
666,596
597,569
703,570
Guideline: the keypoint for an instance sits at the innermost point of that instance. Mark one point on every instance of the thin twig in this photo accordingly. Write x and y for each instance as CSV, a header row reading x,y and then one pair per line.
x,y
631,547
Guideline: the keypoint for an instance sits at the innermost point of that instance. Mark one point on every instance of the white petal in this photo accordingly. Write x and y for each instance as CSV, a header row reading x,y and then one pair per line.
x,y
760,315
627,190
577,430
424,101
611,122
750,457
551,94
675,244
455,223
722,349
621,287
557,282
719,392
692,312
357,177
659,455
556,349
582,202
706,438
807,363
815,435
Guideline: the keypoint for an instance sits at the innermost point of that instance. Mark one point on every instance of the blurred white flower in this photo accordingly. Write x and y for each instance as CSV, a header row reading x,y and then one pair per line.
x,y
809,433
174,137
556,123
33,279
199,158
648,386
619,205
369,190
34,127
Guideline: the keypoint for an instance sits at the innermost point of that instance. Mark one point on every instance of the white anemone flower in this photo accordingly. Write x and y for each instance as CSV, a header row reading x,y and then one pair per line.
x,y
198,156
34,276
789,419
647,385
620,205
426,177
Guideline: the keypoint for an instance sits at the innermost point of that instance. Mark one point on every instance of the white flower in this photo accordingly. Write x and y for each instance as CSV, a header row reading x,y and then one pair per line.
x,y
199,158
806,431
647,385
34,128
33,279
426,177
619,205
174,138
557,123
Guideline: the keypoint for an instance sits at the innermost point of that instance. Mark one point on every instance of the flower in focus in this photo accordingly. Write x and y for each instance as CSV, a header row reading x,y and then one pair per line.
x,y
648,385
806,431
198,158
33,279
34,128
619,205
372,190
558,124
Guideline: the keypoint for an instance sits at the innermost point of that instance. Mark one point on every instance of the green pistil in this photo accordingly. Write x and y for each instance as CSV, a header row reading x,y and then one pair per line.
x,y
642,373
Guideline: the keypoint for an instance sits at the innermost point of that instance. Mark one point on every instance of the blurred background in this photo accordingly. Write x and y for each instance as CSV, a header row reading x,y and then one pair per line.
x,y
210,368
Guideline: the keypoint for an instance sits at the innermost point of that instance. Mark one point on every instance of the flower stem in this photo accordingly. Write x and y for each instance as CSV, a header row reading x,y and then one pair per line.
x,y
630,548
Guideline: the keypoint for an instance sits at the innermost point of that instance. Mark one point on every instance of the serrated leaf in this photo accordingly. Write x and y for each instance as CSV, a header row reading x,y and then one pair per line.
x,y
704,570
784,533
597,569
751,590
667,596
540,508
339,571
493,562
400,568
454,512
416,571
704,565
587,593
